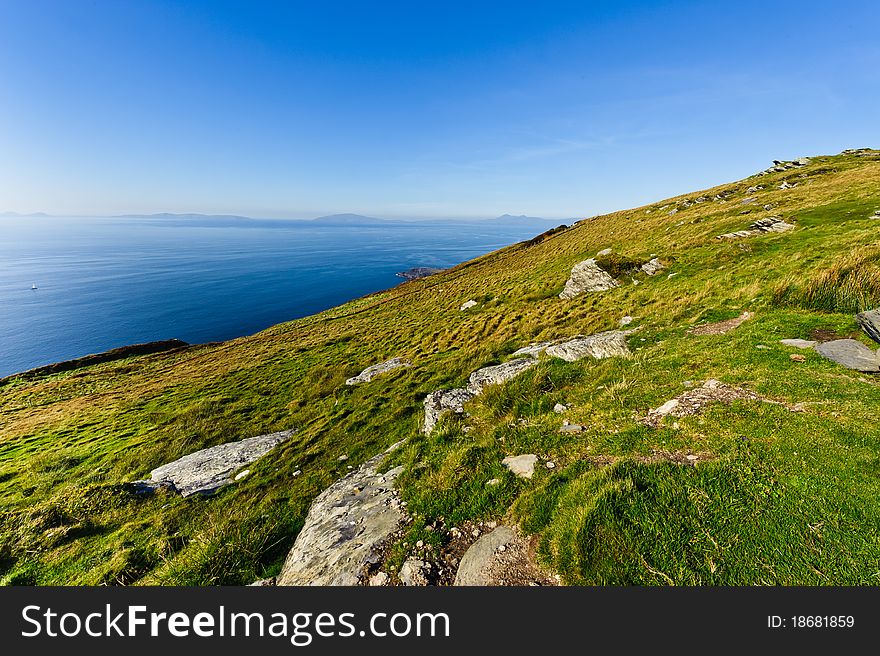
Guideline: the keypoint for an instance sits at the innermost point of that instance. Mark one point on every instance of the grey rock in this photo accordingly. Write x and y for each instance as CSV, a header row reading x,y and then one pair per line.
x,y
799,343
625,321
500,373
761,226
371,372
748,201
262,583
653,267
206,471
560,408
345,528
587,276
379,578
787,185
475,564
442,401
532,350
850,353
414,572
870,323
604,252
571,428
601,345
522,466
467,305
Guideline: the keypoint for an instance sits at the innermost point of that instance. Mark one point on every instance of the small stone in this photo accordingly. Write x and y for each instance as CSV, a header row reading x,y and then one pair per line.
x,y
762,347
559,408
522,466
493,481
342,458
476,532
414,573
420,544
379,578
551,464
797,357
571,428
467,305
240,475
604,252
625,321
297,472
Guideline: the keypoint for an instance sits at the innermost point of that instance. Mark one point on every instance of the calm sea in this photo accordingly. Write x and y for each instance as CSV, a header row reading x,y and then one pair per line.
x,y
108,282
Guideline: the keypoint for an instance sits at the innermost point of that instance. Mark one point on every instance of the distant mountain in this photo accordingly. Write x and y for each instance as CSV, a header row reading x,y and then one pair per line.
x,y
23,215
349,219
522,218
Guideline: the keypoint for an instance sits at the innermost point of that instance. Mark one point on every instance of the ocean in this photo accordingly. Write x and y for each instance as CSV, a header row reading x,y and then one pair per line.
x,y
108,282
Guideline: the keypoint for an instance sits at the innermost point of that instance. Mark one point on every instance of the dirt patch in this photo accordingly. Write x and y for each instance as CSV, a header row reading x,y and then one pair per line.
x,y
829,335
693,401
517,564
721,327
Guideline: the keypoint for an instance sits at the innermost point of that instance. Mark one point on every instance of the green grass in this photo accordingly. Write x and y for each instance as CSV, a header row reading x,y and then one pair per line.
x,y
780,497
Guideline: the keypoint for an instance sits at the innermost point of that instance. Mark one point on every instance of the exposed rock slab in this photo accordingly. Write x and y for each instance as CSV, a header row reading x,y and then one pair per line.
x,y
587,276
799,343
497,374
477,560
851,354
345,528
870,323
205,471
467,305
522,466
601,345
532,350
442,401
371,372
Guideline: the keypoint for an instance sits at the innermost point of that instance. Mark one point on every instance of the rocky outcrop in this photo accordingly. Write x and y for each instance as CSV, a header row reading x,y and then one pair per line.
x,y
601,345
522,466
779,165
608,344
371,372
653,266
497,374
345,528
586,276
851,354
442,401
760,227
870,323
418,272
206,471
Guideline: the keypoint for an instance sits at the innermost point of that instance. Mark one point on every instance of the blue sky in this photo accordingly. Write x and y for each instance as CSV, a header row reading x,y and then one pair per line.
x,y
409,109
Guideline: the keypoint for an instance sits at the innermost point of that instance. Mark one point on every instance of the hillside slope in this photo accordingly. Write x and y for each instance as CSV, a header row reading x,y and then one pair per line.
x,y
769,496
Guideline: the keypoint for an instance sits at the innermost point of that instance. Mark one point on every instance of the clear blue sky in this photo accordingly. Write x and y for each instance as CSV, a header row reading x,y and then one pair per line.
x,y
293,109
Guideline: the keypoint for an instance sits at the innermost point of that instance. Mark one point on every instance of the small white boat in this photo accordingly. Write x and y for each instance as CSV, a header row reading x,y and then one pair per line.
x,y
34,286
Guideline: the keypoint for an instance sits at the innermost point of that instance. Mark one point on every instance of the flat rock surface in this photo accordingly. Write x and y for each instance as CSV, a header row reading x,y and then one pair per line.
x,y
474,566
587,276
345,528
799,343
371,372
442,401
870,323
851,354
502,557
207,470
499,373
522,466
601,345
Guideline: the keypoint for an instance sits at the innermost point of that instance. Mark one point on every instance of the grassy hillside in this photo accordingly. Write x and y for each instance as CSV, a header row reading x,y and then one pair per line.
x,y
776,497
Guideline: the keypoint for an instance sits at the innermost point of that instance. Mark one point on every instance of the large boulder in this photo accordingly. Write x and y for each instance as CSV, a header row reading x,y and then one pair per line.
x,y
850,353
500,373
587,276
442,401
371,372
345,528
205,471
601,345
870,323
